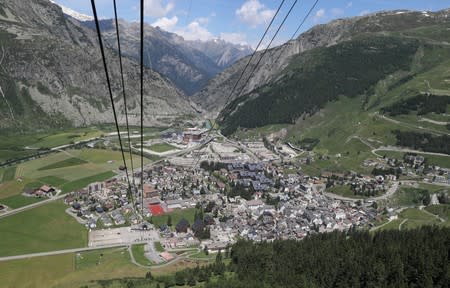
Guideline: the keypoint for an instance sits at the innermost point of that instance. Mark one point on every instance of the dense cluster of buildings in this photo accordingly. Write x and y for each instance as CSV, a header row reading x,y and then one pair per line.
x,y
256,201
103,205
258,197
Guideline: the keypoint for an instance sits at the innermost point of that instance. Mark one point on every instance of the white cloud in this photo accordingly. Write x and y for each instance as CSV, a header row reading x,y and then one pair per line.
x,y
235,38
195,31
167,24
349,4
202,20
254,13
320,14
157,8
364,12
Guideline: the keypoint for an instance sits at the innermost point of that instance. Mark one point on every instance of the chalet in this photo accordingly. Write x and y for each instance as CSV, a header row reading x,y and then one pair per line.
x,y
44,190
182,226
221,185
255,204
76,206
232,177
47,190
198,225
150,191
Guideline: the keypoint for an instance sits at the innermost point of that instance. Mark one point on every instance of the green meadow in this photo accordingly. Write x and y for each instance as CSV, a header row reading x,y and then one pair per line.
x,y
68,170
46,228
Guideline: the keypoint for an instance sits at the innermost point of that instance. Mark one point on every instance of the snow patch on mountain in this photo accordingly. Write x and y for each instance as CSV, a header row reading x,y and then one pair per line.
x,y
74,14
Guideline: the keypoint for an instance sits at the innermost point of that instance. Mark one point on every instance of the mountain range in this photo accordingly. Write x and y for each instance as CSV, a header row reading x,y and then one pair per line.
x,y
51,72
346,57
188,64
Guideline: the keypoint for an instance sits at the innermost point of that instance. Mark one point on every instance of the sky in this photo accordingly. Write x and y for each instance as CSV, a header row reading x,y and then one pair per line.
x,y
243,21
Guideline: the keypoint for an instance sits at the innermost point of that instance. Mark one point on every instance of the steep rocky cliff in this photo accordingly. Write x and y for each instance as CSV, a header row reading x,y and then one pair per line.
x,y
52,74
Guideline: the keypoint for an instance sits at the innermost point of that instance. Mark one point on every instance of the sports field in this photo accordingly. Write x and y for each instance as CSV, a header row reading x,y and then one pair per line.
x,y
162,147
176,216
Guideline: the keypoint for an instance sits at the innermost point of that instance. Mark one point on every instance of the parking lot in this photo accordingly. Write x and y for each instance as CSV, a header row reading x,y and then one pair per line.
x,y
116,236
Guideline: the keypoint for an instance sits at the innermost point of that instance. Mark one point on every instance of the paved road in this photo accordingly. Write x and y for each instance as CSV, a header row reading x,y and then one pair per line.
x,y
403,222
364,141
59,252
433,131
433,183
431,214
406,150
422,119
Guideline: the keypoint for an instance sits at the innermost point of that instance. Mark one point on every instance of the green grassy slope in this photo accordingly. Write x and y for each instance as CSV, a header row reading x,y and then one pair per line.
x,y
45,228
315,77
352,123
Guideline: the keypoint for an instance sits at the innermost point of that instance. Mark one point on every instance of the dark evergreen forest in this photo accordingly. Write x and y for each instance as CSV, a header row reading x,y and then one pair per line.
x,y
408,258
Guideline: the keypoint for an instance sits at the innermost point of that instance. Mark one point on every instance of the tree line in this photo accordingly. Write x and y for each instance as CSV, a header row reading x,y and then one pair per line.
x,y
422,104
423,141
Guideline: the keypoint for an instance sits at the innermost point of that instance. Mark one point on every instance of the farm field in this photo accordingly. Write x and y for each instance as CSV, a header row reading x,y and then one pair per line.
x,y
15,146
41,229
68,170
22,145
9,174
64,163
13,187
83,182
63,138
18,201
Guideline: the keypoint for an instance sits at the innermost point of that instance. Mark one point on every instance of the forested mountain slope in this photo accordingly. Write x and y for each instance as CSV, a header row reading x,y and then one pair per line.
x,y
353,68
